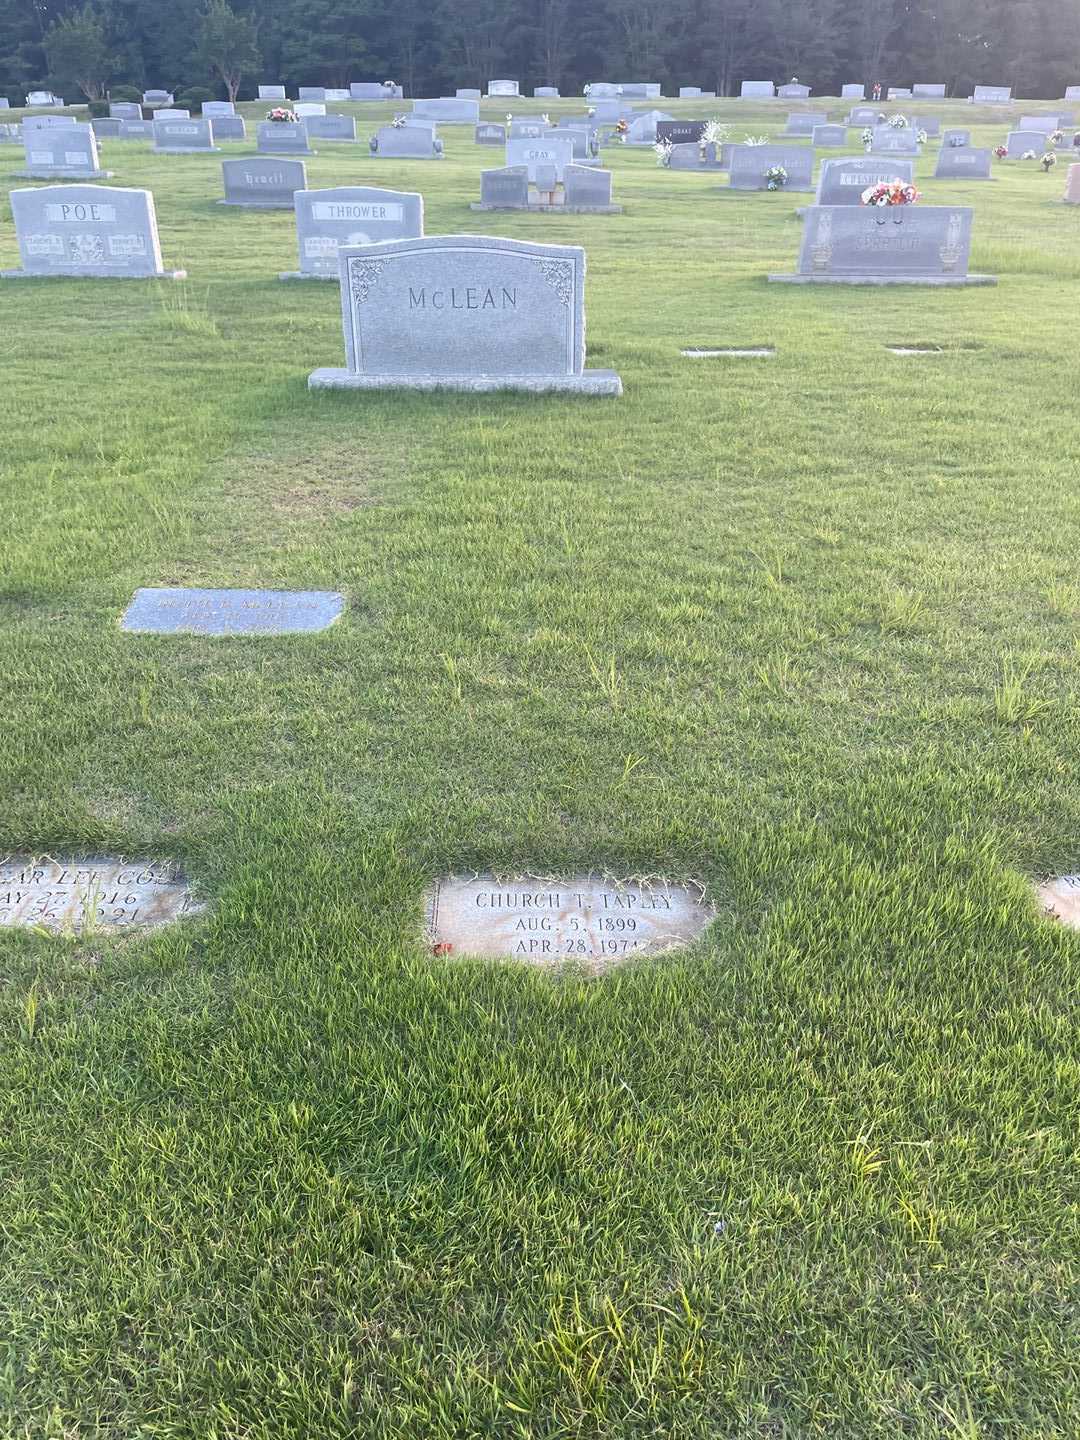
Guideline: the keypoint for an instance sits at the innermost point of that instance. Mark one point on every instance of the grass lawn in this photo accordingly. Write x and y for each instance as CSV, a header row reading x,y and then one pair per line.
x,y
803,629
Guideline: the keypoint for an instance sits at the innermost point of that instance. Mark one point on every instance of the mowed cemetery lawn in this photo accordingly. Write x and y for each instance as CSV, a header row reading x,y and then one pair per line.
x,y
803,630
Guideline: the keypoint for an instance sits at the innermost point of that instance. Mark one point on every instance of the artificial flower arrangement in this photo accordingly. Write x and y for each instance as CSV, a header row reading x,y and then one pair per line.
x,y
1001,152
398,122
867,137
622,129
921,137
1048,161
662,150
956,142
890,192
1029,155
281,115
715,132
776,177
897,122
756,140
1056,137
389,84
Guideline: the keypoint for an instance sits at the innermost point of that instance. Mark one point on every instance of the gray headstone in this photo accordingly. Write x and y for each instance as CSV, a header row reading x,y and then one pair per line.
x,y
863,115
689,92
369,90
331,127
749,163
411,142
545,179
125,110
1019,142
216,109
586,188
546,92
692,156
263,182
62,151
46,122
853,92
11,135
899,93
136,130
312,93
337,97
529,129
757,90
895,243
888,141
448,110
229,128
601,90
329,220
98,892
804,122
183,611
951,139
157,97
579,919
271,92
928,92
272,138
165,113
930,123
509,88
1043,123
505,189
640,89
308,108
554,149
643,127
46,98
96,231
5,103
182,137
829,137
1072,92
106,129
965,163
490,134
469,312
467,94
584,142
992,95
842,182
680,132
793,91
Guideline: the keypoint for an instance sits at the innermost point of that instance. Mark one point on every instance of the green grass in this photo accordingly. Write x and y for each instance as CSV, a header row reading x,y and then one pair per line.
x,y
803,629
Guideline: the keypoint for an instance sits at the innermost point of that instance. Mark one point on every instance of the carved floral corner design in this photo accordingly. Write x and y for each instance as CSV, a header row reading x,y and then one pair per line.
x,y
821,252
559,274
363,277
951,248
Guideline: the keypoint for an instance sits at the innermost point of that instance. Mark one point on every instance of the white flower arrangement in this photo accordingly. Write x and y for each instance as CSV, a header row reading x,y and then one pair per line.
x,y
662,150
1029,155
756,140
509,117
389,84
867,137
776,177
398,122
587,91
1048,161
1056,137
897,122
545,120
921,136
714,133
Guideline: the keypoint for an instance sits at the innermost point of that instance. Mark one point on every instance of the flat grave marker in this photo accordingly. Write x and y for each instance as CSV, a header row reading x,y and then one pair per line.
x,y
179,610
98,892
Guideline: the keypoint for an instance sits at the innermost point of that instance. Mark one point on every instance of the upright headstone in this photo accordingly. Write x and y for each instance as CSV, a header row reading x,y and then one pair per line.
x,y
272,92
1021,142
183,137
368,90
46,122
992,95
504,189
229,128
803,122
546,92
157,97
468,93
640,90
285,138
304,110
136,129
164,112
58,152
337,97
750,162
963,163
93,231
553,149
757,90
928,92
217,109
886,245
330,220
1072,92
490,134
864,115
602,90
262,182
842,182
5,103
853,92
584,140
43,98
312,93
680,132
890,141
464,312
588,190
954,139
689,92
106,128
529,129
125,110
930,123
1045,124
692,156
509,88
899,92
829,137
643,127
1072,185
447,110
793,91
331,127
410,142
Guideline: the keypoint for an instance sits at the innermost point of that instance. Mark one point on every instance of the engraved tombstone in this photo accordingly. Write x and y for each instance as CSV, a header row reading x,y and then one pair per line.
x,y
448,110
169,114
262,182
580,919
955,138
179,610
468,93
589,190
992,95
853,92
928,92
749,163
793,91
842,182
803,122
829,137
497,88
1072,185
287,138
182,137
886,245
554,149
890,141
217,109
546,92
504,189
489,134
90,231
328,220
757,90
410,142
97,892
229,128
312,93
157,97
680,132
331,127
308,108
1021,142
963,163
271,92
125,110
136,130
62,152
465,312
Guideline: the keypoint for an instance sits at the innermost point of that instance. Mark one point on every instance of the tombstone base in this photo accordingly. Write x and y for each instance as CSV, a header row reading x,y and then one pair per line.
x,y
65,174
305,275
259,204
553,209
939,280
590,382
91,274
286,154
188,150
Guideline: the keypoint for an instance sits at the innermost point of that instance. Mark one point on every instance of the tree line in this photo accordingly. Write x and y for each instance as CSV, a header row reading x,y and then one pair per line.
x,y
226,47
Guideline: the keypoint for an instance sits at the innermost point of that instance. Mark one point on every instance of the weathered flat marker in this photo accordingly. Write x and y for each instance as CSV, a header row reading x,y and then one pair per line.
x,y
101,892
1061,899
176,611
578,918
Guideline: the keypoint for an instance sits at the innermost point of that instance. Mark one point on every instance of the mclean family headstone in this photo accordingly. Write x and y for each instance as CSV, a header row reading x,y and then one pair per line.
x,y
886,245
580,919
88,231
97,892
749,163
262,182
465,312
350,215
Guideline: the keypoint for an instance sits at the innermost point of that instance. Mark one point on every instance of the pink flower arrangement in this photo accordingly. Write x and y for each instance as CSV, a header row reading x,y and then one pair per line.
x,y
1000,152
890,192
282,116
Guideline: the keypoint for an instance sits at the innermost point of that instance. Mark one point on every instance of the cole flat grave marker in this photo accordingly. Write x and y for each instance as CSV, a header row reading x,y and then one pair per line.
x,y
886,245
328,220
89,231
581,918
749,163
262,183
182,611
97,892
465,312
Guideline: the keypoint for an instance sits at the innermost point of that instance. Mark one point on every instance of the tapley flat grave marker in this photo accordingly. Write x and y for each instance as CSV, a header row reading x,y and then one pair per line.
x,y
579,919
465,312
262,182
886,245
350,215
100,892
181,611
87,231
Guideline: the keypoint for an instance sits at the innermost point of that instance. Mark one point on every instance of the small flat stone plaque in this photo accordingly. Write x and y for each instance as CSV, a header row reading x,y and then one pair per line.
x,y
580,919
176,611
101,892
1061,899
